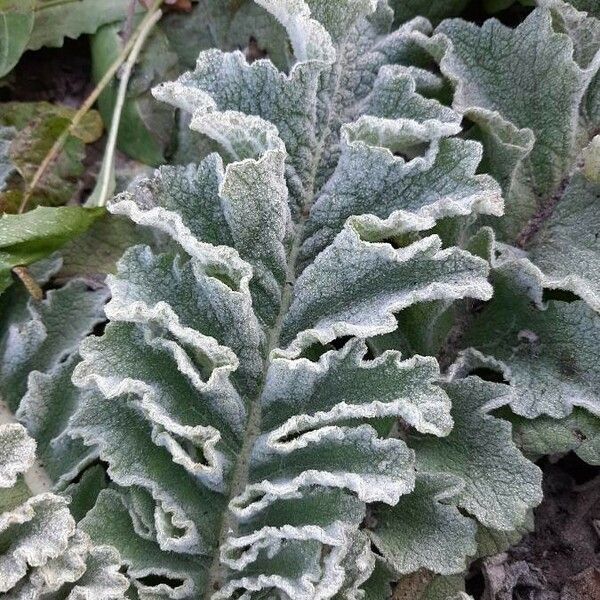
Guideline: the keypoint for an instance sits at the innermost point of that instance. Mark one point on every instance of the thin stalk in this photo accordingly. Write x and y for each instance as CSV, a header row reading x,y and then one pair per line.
x,y
128,27
105,184
86,106
31,285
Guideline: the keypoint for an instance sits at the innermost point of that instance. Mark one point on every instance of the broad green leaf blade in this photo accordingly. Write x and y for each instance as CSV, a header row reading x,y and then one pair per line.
x,y
27,238
423,532
21,114
208,26
16,24
146,125
55,21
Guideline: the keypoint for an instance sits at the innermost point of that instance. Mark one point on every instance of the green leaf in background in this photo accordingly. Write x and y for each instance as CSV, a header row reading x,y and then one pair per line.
x,y
57,19
29,25
16,23
29,237
97,251
210,24
39,124
146,125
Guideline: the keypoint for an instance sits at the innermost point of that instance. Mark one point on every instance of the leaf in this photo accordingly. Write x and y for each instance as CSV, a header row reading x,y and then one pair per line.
x,y
34,235
16,22
540,331
566,247
208,25
34,336
96,251
17,453
480,62
498,484
578,432
21,114
423,532
55,21
423,585
146,125
546,351
39,125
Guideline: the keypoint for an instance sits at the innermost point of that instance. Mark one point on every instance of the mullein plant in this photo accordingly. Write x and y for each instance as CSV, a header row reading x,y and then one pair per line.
x,y
264,415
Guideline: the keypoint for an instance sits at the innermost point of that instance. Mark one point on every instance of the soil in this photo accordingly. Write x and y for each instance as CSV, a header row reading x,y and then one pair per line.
x,y
560,559
60,75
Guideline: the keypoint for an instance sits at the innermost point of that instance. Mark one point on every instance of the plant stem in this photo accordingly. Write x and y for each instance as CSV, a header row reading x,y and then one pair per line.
x,y
128,27
85,107
29,282
105,183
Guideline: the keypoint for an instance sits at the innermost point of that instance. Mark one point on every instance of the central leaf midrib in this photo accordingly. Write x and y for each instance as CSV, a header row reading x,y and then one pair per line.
x,y
239,478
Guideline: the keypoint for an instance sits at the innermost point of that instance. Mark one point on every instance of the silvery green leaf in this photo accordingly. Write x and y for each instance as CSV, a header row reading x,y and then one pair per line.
x,y
110,522
566,247
498,484
45,410
578,432
17,452
423,531
42,552
545,350
484,63
44,334
494,541
359,301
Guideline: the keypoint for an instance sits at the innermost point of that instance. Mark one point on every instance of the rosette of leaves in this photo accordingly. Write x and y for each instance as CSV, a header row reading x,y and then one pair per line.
x,y
241,400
